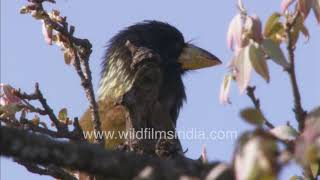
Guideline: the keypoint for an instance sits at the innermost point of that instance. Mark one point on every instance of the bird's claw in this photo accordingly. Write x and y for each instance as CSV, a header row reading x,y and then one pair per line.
x,y
166,148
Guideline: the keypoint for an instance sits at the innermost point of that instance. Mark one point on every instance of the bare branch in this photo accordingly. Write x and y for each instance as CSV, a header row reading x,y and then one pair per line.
x,y
256,102
37,95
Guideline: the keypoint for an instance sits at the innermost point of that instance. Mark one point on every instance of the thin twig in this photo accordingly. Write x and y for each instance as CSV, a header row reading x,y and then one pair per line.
x,y
300,113
29,125
33,109
256,102
37,95
62,128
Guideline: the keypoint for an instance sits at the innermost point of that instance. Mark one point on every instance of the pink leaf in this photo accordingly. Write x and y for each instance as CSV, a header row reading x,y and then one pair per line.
x,y
204,154
304,6
235,32
316,10
8,97
3,101
244,69
285,5
47,33
256,28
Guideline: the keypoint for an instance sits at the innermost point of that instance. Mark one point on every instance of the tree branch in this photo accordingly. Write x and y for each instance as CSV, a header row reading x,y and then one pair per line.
x,y
256,102
300,113
95,160
37,95
298,110
62,128
82,51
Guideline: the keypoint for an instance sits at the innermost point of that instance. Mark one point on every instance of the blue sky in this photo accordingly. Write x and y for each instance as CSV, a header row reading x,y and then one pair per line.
x,y
26,59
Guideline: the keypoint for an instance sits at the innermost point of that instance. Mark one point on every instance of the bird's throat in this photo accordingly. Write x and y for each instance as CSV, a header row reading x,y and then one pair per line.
x,y
116,80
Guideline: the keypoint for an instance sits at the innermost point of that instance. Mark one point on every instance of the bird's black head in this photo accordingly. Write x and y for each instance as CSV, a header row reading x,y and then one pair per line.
x,y
176,55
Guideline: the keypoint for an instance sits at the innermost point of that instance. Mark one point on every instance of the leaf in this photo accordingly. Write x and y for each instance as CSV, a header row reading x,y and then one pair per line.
x,y
314,115
63,114
305,32
24,10
234,33
296,29
296,178
55,16
10,110
304,7
285,132
47,32
36,120
314,169
285,5
225,89
252,116
275,53
272,24
218,171
274,29
246,160
258,61
316,10
8,96
256,157
38,14
256,29
278,35
244,68
68,56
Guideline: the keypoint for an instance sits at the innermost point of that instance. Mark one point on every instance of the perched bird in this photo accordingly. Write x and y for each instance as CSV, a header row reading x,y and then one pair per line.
x,y
150,95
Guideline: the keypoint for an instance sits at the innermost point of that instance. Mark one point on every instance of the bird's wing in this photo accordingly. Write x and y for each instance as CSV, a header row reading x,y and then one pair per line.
x,y
113,123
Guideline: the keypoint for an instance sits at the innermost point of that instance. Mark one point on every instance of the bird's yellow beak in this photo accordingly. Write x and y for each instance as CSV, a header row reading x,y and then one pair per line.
x,y
193,57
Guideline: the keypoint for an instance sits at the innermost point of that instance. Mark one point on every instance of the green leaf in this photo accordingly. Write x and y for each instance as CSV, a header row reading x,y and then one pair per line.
x,y
274,51
285,132
253,116
314,169
258,61
38,14
24,10
296,178
69,56
277,34
36,120
63,114
272,24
